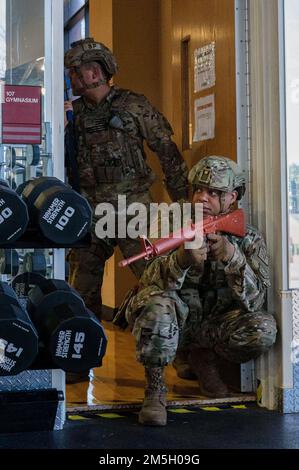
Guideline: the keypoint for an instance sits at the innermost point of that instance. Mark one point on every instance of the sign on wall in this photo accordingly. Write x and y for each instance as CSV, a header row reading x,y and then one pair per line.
x,y
21,114
204,67
204,118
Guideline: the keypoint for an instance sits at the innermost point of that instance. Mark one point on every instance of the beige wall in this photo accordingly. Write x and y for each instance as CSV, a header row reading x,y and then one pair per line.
x,y
146,37
165,56
100,21
131,28
206,21
100,26
137,45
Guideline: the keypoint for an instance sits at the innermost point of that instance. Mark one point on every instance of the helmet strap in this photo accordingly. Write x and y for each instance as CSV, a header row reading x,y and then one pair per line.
x,y
90,85
95,84
222,203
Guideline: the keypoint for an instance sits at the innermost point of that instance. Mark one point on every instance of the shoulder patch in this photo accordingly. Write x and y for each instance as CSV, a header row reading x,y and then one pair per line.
x,y
124,96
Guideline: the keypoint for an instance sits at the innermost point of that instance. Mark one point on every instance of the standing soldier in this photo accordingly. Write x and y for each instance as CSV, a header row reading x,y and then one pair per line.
x,y
111,125
203,307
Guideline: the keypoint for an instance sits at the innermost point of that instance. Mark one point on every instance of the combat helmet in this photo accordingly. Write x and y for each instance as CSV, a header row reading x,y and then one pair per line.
x,y
220,173
89,50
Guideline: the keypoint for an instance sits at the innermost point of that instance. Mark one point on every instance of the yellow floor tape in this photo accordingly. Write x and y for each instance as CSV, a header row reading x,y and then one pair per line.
x,y
211,408
109,415
181,410
77,417
171,410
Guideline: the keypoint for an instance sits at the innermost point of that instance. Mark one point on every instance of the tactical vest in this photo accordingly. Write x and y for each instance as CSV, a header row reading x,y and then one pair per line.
x,y
110,147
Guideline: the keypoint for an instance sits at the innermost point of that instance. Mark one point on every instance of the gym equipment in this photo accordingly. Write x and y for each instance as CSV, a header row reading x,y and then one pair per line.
x,y
9,262
32,155
31,410
11,158
13,184
23,283
71,333
13,214
35,262
61,214
67,270
18,336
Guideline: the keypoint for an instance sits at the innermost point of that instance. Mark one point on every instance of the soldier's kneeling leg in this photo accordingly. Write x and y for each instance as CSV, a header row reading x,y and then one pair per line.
x,y
225,340
156,332
239,336
182,366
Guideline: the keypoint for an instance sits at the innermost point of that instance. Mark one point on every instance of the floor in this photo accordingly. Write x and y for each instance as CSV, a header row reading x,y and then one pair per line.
x,y
248,427
102,419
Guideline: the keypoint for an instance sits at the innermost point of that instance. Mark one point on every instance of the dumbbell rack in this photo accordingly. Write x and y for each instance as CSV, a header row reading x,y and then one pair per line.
x,y
40,390
20,162
41,387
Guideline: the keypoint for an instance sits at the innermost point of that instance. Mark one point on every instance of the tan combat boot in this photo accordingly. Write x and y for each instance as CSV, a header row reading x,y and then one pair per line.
x,y
204,364
153,411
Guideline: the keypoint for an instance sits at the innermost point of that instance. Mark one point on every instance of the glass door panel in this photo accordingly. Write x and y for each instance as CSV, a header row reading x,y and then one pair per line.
x,y
291,18
26,78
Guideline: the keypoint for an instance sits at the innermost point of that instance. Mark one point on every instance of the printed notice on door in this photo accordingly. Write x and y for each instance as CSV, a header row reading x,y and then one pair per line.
x,y
204,118
204,67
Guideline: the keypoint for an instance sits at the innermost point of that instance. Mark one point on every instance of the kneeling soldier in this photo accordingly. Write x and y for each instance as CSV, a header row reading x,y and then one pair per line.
x,y
202,307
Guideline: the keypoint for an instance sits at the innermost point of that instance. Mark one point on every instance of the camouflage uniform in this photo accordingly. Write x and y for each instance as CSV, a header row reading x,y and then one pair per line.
x,y
215,305
112,161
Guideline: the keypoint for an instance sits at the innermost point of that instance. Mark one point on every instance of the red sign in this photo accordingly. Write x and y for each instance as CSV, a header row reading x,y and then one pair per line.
x,y
21,115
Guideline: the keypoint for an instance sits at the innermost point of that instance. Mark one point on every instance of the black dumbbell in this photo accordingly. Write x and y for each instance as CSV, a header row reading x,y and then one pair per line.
x,y
70,332
18,336
67,270
13,214
23,283
32,155
62,215
9,262
35,262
